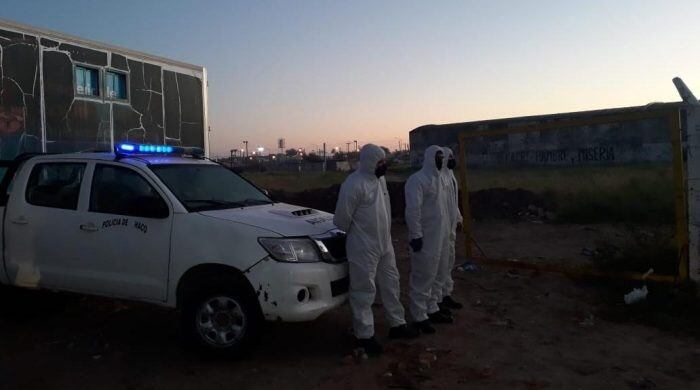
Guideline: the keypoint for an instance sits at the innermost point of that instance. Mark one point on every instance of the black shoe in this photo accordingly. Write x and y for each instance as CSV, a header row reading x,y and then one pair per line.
x,y
371,346
403,332
439,318
444,309
450,303
425,327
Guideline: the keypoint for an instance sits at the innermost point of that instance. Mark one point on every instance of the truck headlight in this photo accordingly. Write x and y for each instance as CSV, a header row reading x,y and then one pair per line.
x,y
292,250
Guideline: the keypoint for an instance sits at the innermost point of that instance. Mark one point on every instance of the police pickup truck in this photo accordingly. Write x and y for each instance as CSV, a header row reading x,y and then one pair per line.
x,y
164,225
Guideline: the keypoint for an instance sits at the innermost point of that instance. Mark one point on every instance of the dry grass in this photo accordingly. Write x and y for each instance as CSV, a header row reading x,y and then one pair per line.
x,y
634,194
293,181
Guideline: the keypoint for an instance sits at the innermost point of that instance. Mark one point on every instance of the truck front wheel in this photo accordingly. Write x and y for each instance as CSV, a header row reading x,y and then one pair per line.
x,y
221,319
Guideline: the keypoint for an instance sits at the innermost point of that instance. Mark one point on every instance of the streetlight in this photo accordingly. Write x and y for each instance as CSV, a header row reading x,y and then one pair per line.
x,y
399,142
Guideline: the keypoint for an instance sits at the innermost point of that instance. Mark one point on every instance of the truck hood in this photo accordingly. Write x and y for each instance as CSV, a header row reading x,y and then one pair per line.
x,y
284,219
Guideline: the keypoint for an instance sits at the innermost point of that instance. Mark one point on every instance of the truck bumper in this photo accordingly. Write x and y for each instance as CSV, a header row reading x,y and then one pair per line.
x,y
298,292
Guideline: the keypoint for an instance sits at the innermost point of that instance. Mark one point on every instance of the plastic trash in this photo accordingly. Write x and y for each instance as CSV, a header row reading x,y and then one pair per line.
x,y
636,295
468,266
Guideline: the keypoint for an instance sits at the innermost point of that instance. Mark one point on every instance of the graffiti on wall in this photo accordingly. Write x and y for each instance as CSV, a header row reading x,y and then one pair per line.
x,y
587,145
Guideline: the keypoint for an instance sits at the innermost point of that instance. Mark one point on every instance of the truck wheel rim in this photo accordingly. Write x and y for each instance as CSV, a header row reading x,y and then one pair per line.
x,y
220,321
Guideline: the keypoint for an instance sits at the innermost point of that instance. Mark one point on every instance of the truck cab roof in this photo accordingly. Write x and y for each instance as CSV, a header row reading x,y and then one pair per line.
x,y
135,159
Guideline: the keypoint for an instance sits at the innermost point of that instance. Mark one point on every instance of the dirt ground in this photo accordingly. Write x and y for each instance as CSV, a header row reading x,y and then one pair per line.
x,y
519,329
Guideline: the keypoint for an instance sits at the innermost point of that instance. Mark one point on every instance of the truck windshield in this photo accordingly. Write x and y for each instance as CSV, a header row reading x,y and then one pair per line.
x,y
208,187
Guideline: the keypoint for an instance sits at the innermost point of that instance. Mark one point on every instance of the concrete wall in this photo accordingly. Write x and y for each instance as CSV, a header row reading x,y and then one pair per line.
x,y
640,141
622,143
693,188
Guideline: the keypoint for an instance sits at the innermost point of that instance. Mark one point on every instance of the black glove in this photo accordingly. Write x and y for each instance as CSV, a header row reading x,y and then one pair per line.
x,y
416,244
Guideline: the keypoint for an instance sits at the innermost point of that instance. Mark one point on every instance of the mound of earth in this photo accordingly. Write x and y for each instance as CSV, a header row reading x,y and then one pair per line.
x,y
493,203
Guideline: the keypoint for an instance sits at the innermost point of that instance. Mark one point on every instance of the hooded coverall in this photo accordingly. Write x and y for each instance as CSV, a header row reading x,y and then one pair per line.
x,y
426,216
364,212
455,218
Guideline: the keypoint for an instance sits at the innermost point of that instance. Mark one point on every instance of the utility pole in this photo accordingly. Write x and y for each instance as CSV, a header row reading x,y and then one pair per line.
x,y
324,157
231,161
355,145
246,148
347,144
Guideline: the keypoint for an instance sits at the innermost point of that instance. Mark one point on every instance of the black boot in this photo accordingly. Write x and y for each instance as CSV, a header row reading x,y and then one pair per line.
x,y
444,309
371,346
450,303
440,318
425,327
403,332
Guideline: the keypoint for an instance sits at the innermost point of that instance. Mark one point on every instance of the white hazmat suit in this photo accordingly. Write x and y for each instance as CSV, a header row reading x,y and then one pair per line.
x,y
454,220
426,216
364,212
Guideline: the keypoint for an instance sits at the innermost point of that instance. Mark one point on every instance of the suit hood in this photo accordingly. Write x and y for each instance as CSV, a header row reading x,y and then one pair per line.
x,y
370,155
429,166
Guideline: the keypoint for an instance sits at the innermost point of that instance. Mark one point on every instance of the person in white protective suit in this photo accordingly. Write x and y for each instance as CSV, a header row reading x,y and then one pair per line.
x,y
426,219
364,212
455,221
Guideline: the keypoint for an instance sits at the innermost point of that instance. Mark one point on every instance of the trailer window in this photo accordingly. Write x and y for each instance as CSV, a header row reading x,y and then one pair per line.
x,y
87,81
116,85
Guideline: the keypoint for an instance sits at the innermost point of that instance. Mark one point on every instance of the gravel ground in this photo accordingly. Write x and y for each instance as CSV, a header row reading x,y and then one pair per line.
x,y
519,329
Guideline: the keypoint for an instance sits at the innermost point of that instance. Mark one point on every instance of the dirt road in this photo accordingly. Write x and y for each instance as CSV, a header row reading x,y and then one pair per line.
x,y
518,330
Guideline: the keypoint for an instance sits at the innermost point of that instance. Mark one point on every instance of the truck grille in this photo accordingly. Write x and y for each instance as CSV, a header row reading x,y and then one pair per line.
x,y
336,247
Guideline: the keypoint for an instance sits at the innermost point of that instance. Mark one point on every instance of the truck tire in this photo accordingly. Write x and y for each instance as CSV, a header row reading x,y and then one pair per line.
x,y
221,318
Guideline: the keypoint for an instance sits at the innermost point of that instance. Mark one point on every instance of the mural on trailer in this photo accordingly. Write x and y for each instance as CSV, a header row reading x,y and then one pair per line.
x,y
89,97
20,96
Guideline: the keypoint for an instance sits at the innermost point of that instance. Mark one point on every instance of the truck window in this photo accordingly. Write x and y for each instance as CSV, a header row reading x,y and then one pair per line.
x,y
202,187
55,185
122,191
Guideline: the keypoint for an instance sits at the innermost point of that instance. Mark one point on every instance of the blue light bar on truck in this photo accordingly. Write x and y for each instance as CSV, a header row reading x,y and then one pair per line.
x,y
127,148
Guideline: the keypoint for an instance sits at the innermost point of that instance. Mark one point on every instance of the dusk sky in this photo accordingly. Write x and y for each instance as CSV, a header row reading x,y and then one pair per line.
x,y
335,71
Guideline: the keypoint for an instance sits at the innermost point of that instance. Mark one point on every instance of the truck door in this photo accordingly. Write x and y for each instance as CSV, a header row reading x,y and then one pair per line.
x,y
126,234
8,168
42,225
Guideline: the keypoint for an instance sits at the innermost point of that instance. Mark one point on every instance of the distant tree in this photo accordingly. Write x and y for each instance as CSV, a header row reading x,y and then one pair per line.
x,y
386,150
291,152
313,157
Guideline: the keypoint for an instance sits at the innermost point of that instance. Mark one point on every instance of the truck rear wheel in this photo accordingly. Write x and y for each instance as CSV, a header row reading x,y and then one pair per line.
x,y
221,319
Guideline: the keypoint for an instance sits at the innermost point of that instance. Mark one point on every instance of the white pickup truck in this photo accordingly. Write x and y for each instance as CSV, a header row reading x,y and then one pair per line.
x,y
163,225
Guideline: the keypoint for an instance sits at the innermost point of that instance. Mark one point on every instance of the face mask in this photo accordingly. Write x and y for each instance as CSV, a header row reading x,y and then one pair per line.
x,y
438,162
380,170
451,163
